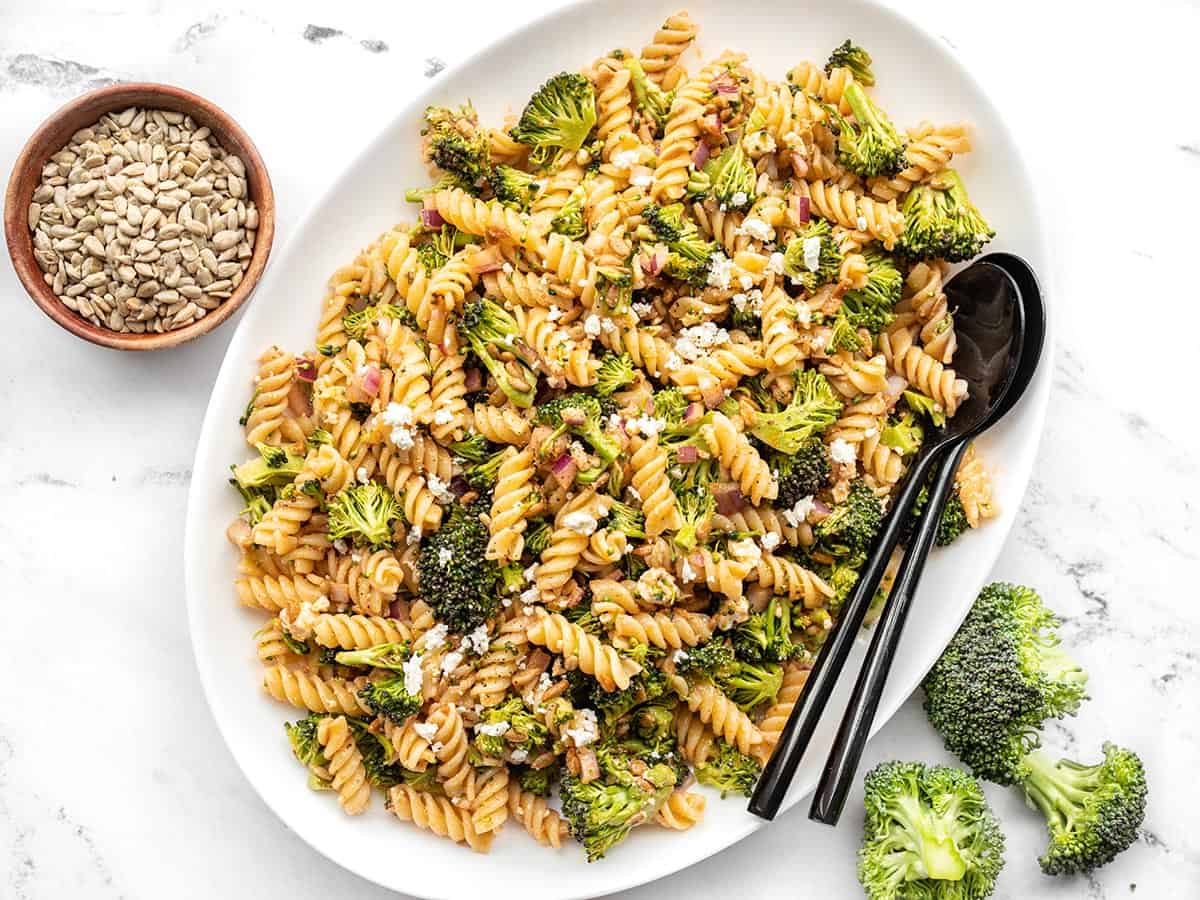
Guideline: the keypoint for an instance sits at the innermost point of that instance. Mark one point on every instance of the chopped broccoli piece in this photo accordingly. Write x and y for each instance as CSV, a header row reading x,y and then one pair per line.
x,y
853,523
389,698
813,408
750,685
473,448
953,524
903,434
491,330
581,415
926,406
869,145
454,574
568,221
649,97
558,118
513,187
302,735
929,832
850,56
711,659
455,143
612,706
1002,675
508,727
870,306
845,336
616,370
729,770
766,636
696,506
537,537
364,513
482,475
731,177
381,656
1093,813
601,813
811,258
627,519
538,781
941,222
800,474
274,467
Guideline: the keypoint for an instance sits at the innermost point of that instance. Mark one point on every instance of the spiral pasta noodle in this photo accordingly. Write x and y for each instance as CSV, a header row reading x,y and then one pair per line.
x,y
434,812
312,692
510,505
741,460
681,810
542,823
345,765
593,657
661,57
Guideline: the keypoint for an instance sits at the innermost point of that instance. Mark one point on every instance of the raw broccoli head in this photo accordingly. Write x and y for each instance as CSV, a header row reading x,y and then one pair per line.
x,y
389,698
583,416
929,832
1001,677
850,56
750,685
766,636
492,332
513,187
729,770
811,258
601,813
941,222
381,656
869,145
454,575
813,408
558,117
510,726
364,513
731,177
801,474
616,370
870,306
568,221
455,143
651,100
1092,812
853,523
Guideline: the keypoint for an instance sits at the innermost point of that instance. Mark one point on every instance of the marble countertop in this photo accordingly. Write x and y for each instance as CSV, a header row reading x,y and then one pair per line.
x,y
113,780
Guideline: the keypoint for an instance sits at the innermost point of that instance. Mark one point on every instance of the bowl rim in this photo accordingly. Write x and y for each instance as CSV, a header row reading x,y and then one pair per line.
x,y
101,101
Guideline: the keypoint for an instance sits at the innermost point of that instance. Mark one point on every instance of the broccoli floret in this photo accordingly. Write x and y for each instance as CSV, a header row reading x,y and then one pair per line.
x,y
801,474
508,727
273,468
1092,812
842,576
455,143
766,636
491,330
382,656
614,286
482,475
364,513
870,306
712,659
670,405
690,254
389,698
813,408
667,223
455,576
903,434
1002,675
376,750
612,706
628,520
537,538
649,97
941,222
853,523
869,145
696,506
954,520
602,812
729,770
513,187
731,178
583,416
929,832
474,448
317,437
925,406
811,258
750,685
616,370
850,56
568,221
845,336
302,735
558,117
445,182
538,781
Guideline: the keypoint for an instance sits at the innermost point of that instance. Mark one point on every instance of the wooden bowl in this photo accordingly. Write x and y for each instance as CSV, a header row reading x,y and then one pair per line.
x,y
54,134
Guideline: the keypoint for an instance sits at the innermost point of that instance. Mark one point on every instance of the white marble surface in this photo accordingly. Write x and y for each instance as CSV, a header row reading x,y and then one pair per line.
x,y
113,780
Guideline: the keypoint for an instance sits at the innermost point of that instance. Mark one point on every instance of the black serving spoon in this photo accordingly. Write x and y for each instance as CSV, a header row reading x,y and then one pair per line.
x,y
991,331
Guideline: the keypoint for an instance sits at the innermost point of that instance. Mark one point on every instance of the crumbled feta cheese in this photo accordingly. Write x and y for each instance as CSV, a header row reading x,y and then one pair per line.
x,y
492,729
591,325
679,656
451,661
633,492
871,432
361,475
402,438
507,268
544,681
608,325
413,676
300,626
686,572
445,555
706,334
803,313
641,181
745,550
739,199
414,535
439,489
530,572
798,514
812,253
529,596
720,270
554,313
862,223
397,414
585,728
580,521
641,309
775,263
756,228
435,636
842,451
646,425
519,755
685,348
746,281
739,302
478,640
425,729
672,361
769,541
443,417
340,545
625,159
614,420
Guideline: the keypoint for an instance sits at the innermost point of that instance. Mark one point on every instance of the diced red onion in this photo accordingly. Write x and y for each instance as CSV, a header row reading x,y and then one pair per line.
x,y
800,211
306,369
693,413
564,470
299,400
724,83
821,508
688,454
896,385
653,261
398,609
371,381
431,218
700,154
729,498
486,260
459,486
472,379
712,394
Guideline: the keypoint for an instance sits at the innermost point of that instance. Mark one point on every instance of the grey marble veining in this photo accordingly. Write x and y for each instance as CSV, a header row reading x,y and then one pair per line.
x,y
113,780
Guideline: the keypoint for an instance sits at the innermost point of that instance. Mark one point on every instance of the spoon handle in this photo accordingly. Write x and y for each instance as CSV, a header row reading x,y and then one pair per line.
x,y
806,714
846,752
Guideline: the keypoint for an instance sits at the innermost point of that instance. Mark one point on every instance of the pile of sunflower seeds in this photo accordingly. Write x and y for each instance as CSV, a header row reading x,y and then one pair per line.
x,y
143,223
